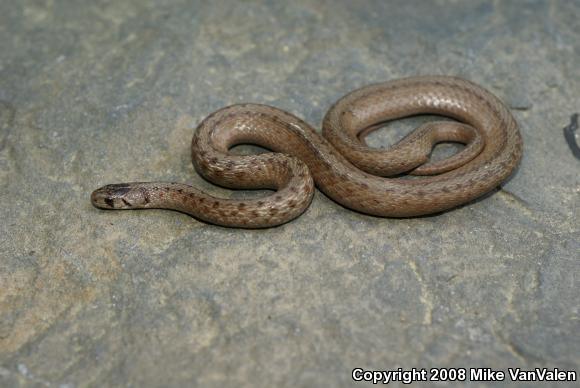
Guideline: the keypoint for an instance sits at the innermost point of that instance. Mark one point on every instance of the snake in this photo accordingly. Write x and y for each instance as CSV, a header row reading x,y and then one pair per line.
x,y
396,182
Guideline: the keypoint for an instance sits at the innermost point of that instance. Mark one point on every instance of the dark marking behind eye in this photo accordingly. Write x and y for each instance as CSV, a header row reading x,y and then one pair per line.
x,y
109,202
118,186
118,190
126,202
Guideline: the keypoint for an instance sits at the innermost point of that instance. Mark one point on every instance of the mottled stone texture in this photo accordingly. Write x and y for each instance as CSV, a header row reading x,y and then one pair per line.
x,y
108,91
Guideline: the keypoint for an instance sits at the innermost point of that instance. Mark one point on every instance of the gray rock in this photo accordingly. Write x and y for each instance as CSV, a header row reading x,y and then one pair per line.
x,y
110,91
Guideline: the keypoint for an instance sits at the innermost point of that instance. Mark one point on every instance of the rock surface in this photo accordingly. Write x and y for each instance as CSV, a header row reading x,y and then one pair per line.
x,y
110,91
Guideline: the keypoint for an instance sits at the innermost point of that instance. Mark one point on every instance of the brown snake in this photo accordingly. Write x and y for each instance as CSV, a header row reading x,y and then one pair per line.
x,y
340,162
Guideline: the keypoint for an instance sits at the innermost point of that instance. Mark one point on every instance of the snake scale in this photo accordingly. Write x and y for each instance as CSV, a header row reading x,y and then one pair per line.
x,y
369,180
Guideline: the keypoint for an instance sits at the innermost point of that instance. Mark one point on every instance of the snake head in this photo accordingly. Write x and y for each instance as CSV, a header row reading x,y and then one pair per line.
x,y
119,196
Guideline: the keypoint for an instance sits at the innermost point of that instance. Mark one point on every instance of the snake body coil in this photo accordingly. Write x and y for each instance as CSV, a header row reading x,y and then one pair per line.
x,y
339,162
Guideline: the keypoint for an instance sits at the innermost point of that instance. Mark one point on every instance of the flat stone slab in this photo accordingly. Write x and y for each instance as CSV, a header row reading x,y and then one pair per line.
x,y
111,91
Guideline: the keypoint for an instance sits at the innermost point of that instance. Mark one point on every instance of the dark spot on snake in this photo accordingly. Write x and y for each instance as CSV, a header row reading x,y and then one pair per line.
x,y
260,203
118,185
273,211
118,190
215,204
241,205
278,197
292,204
364,185
126,202
255,213
109,202
200,200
